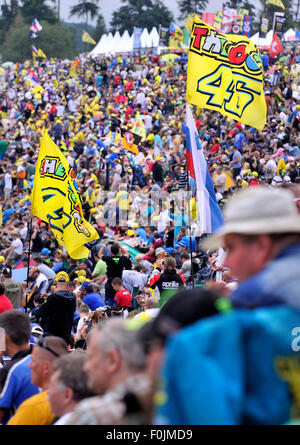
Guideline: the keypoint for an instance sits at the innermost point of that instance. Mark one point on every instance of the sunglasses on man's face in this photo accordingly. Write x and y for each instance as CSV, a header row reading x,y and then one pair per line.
x,y
42,343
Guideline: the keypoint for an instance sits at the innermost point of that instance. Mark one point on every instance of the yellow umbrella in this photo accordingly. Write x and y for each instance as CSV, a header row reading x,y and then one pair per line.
x,y
170,56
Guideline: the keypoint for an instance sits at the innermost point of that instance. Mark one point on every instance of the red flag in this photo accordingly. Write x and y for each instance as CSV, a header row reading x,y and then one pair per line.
x,y
276,46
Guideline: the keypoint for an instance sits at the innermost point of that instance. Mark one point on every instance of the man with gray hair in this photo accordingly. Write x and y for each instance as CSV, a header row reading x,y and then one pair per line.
x,y
116,371
255,384
68,385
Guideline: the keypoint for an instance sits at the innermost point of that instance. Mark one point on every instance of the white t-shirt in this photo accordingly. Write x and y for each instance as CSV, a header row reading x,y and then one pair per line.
x,y
7,181
221,181
18,245
42,279
60,110
80,323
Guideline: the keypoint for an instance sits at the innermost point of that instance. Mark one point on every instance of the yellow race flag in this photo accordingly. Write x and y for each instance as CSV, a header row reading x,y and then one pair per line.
x,y
56,200
139,128
225,74
277,3
87,38
41,54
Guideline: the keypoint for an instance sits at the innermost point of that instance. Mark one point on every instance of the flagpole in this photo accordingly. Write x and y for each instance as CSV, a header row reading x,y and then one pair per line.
x,y
28,263
190,228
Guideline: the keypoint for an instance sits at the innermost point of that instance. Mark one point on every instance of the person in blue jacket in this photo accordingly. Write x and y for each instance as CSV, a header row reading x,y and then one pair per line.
x,y
91,298
241,367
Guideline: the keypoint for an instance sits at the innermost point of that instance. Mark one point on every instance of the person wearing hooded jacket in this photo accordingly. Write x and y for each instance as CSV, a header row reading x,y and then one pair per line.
x,y
56,314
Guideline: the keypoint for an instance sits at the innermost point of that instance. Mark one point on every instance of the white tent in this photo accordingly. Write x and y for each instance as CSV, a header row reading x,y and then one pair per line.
x,y
154,37
145,39
126,43
112,44
263,43
290,35
100,45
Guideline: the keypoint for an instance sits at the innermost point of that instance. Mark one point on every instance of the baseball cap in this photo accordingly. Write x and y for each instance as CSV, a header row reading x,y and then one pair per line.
x,y
45,251
62,276
182,309
36,329
7,272
86,285
80,279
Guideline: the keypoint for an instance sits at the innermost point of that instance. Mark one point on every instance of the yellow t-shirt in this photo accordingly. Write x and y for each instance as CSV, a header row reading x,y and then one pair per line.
x,y
281,165
33,411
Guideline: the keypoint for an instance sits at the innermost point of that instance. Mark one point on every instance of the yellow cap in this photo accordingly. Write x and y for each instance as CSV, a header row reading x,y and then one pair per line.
x,y
62,276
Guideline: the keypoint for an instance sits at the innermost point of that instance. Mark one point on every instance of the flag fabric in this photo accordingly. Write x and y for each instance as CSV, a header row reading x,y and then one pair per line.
x,y
32,78
225,74
36,26
22,264
130,141
210,216
187,30
296,34
279,24
137,33
176,32
189,23
87,38
276,46
229,15
34,50
56,200
208,17
139,128
247,23
276,3
241,12
218,20
229,180
263,28
238,21
237,26
33,35
186,37
73,69
163,36
41,54
174,43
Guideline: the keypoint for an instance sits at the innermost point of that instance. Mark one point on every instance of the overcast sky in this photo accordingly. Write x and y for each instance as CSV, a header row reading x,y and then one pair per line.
x,y
108,6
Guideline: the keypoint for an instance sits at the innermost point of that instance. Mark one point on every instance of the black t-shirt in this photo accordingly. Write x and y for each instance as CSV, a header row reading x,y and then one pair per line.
x,y
170,238
37,243
116,265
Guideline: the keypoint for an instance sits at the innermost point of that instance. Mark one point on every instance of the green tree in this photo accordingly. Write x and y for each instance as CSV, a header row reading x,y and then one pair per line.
x,y
187,7
8,13
142,14
85,9
54,40
100,28
38,9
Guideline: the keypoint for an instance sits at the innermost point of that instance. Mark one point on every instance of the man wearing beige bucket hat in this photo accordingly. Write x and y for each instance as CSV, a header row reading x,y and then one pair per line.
x,y
261,236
